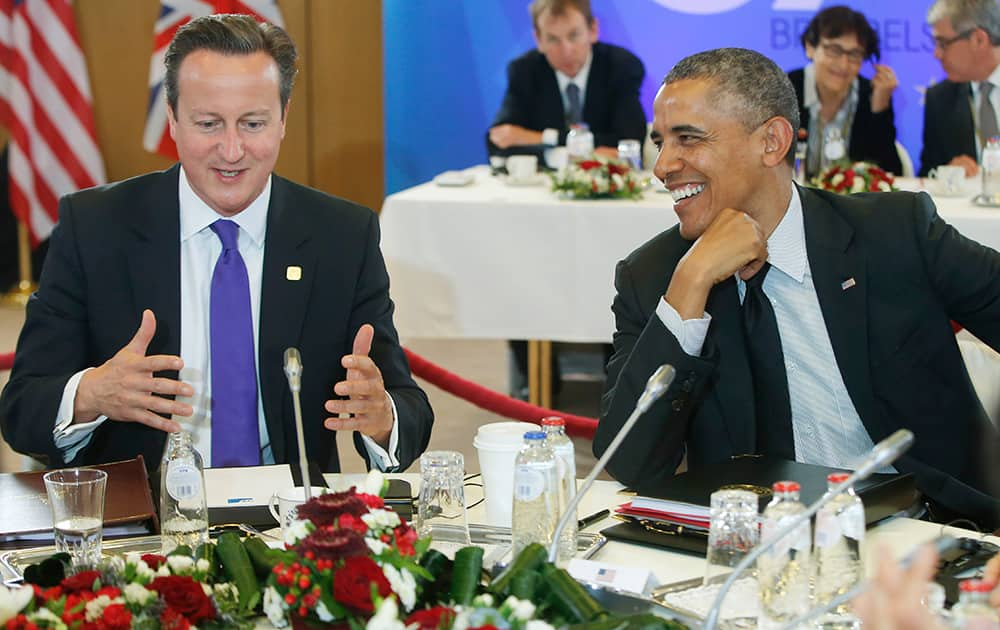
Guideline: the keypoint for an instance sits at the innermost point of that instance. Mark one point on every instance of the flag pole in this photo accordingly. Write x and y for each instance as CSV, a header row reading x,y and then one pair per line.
x,y
20,292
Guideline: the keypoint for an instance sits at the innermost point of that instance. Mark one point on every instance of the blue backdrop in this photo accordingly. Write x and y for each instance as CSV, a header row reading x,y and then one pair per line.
x,y
445,62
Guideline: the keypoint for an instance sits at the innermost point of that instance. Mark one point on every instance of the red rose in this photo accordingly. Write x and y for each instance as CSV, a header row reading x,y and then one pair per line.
x,y
20,622
170,619
115,617
111,591
587,165
154,560
326,508
488,626
349,521
185,595
352,583
83,581
437,618
48,594
372,501
617,169
406,536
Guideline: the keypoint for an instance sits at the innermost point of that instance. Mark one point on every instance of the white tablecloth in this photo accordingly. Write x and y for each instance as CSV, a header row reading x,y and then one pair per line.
x,y
493,261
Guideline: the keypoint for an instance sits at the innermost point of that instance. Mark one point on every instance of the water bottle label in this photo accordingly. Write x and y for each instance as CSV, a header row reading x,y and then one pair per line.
x,y
852,522
183,481
529,484
827,530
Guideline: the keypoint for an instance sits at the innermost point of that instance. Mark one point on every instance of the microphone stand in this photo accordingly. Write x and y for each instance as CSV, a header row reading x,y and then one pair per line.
x,y
884,453
657,384
293,370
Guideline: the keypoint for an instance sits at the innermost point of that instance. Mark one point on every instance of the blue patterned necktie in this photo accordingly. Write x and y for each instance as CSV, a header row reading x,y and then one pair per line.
x,y
575,113
772,406
235,435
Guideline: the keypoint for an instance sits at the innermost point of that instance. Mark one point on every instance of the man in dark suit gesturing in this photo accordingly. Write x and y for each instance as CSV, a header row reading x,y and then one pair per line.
x,y
960,113
802,324
571,78
169,299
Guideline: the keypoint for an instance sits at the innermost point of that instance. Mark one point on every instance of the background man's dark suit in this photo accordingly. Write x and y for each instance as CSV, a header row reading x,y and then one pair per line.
x,y
116,251
611,104
890,333
949,130
873,136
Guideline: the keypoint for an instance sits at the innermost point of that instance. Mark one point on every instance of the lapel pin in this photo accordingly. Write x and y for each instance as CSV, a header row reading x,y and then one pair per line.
x,y
293,273
847,284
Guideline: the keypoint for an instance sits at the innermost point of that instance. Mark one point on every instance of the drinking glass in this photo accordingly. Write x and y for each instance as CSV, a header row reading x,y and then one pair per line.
x,y
441,508
733,531
631,151
76,496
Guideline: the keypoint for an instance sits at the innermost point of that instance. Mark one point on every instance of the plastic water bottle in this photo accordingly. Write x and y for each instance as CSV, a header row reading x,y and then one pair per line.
x,y
834,149
580,141
555,431
536,493
991,170
973,610
840,532
183,510
783,572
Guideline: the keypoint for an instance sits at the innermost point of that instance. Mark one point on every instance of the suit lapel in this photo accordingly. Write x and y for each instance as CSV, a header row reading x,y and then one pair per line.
x,y
736,403
839,270
597,84
288,275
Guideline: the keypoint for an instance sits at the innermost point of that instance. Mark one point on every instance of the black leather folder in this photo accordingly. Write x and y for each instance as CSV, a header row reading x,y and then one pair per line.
x,y
883,495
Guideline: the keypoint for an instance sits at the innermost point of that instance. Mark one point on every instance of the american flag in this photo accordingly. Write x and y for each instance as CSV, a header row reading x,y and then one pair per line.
x,y
173,15
45,104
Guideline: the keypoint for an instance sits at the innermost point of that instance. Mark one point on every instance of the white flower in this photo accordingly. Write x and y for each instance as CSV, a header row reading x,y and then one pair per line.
x,y
138,594
403,584
12,600
836,179
324,613
164,570
181,565
858,185
380,519
537,624
519,608
275,607
297,530
50,619
461,619
386,617
485,600
202,565
373,483
95,607
376,546
618,181
884,186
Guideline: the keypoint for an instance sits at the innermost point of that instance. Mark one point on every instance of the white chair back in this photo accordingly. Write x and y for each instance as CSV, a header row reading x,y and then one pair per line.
x,y
983,364
905,160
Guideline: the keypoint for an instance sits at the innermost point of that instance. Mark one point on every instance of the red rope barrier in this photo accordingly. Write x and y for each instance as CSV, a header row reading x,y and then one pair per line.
x,y
6,361
493,401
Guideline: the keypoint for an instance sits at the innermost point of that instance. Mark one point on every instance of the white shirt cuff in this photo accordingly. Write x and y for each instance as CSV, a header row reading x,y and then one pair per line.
x,y
690,333
378,456
70,438
550,137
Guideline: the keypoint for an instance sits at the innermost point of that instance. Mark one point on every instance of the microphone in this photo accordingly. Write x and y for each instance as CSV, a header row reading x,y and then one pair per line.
x,y
884,453
656,386
293,372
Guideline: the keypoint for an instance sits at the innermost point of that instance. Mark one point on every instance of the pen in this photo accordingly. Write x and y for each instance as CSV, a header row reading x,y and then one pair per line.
x,y
587,521
239,500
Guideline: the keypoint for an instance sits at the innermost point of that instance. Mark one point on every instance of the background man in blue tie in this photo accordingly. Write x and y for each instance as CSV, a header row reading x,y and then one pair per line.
x,y
220,265
570,78
802,324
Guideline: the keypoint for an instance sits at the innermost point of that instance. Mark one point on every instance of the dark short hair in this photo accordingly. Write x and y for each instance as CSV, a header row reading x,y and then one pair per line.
x,y
833,22
231,34
752,86
966,15
559,7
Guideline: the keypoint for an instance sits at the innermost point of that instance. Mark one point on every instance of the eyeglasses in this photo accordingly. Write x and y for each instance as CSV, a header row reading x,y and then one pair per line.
x,y
836,51
943,42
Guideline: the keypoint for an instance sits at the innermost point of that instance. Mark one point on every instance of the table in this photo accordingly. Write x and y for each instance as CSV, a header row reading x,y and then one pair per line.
x,y
494,261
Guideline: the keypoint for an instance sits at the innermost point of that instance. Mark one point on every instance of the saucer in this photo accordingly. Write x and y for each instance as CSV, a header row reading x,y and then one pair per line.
x,y
938,189
535,180
454,178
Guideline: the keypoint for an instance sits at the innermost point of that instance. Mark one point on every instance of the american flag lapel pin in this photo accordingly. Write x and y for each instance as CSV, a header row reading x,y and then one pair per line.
x,y
847,284
293,273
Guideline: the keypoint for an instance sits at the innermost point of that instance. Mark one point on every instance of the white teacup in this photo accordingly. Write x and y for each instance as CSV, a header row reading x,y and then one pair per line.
x,y
522,168
949,180
284,504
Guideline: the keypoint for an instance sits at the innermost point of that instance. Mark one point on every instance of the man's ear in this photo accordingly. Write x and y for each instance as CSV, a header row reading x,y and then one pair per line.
x,y
778,138
594,31
172,122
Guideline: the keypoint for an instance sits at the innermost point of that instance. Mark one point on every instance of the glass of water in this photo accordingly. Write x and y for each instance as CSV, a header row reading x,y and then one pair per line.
x,y
732,532
76,496
631,152
441,508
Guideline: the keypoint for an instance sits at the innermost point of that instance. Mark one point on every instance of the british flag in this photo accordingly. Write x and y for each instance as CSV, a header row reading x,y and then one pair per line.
x,y
173,15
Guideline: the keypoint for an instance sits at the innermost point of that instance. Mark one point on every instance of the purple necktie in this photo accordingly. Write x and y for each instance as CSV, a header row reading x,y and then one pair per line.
x,y
235,436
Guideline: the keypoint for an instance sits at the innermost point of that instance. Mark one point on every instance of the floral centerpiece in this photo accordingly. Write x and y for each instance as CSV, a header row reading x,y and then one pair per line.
x,y
846,178
598,177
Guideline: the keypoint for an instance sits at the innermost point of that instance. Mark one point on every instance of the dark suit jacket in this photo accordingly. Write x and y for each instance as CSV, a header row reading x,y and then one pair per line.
x,y
116,251
873,136
949,130
611,105
890,333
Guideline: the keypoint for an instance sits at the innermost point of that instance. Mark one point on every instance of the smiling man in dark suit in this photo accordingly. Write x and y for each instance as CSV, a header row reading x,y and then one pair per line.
x,y
570,78
960,113
169,299
802,324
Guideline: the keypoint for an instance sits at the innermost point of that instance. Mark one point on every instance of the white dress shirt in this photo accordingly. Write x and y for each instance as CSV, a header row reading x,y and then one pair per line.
x,y
977,96
551,136
827,428
200,250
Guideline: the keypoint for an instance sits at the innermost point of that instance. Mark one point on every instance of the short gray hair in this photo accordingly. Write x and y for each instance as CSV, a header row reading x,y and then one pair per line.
x,y
966,15
747,82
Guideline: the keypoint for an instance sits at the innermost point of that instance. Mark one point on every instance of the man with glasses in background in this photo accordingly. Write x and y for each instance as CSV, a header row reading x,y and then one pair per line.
x,y
960,114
